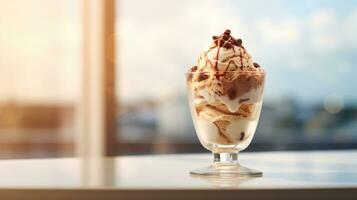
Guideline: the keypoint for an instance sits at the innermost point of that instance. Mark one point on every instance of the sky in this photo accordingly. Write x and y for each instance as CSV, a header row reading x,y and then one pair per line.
x,y
308,47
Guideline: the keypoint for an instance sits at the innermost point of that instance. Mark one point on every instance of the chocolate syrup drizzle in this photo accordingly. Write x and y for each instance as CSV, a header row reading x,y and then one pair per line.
x,y
225,40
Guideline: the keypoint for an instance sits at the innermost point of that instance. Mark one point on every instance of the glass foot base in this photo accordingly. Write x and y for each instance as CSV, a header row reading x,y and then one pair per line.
x,y
226,165
227,171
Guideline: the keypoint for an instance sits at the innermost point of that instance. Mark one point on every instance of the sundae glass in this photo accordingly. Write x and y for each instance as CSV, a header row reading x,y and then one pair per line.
x,y
225,94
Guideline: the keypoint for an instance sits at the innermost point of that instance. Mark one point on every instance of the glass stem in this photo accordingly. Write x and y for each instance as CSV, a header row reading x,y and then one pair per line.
x,y
224,159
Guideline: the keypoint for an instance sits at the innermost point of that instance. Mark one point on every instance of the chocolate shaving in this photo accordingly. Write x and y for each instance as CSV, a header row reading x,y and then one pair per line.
x,y
239,42
226,40
256,65
227,32
194,68
243,100
241,136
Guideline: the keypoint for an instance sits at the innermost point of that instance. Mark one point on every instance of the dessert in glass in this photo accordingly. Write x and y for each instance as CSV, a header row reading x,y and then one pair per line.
x,y
225,94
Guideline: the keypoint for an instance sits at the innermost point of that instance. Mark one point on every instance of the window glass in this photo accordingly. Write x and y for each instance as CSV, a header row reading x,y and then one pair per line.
x,y
308,49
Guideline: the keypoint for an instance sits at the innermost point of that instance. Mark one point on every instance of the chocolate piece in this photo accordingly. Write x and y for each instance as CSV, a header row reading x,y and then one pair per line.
x,y
241,136
202,77
227,32
239,42
225,37
243,100
214,37
227,45
194,68
256,65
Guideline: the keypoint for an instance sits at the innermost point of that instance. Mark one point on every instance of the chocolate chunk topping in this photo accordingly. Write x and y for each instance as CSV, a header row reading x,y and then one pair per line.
x,y
225,37
194,68
202,77
226,40
241,136
256,65
227,32
239,42
227,45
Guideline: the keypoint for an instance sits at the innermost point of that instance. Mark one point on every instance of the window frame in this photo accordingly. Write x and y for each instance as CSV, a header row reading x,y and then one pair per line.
x,y
97,107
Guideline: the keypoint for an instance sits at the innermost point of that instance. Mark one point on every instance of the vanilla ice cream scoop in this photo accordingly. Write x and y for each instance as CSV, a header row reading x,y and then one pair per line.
x,y
226,53
226,73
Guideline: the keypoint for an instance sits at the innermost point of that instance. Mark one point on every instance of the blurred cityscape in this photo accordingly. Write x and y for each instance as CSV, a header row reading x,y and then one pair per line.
x,y
36,130
165,126
284,125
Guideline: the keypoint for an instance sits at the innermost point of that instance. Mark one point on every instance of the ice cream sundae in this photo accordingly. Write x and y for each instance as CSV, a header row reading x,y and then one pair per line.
x,y
225,89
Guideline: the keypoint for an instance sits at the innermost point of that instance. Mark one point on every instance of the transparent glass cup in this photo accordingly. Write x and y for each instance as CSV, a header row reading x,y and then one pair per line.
x,y
225,109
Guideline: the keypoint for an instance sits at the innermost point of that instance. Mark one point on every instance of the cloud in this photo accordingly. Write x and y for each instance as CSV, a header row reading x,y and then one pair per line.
x,y
324,27
285,31
330,32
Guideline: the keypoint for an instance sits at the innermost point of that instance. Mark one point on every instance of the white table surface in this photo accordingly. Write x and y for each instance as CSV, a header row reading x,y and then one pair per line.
x,y
325,174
